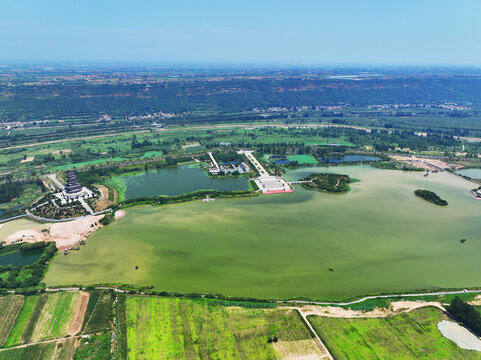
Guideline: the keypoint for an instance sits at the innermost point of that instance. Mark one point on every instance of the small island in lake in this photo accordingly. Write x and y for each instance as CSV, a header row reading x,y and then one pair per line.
x,y
431,197
327,182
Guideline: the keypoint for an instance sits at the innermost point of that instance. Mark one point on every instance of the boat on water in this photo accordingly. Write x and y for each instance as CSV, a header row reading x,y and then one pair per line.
x,y
477,194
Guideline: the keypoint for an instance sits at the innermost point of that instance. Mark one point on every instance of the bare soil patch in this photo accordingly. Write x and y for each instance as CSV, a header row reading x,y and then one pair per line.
x,y
78,317
28,159
298,350
119,214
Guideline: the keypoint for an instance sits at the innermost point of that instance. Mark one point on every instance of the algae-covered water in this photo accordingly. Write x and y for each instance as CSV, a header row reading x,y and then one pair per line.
x,y
378,237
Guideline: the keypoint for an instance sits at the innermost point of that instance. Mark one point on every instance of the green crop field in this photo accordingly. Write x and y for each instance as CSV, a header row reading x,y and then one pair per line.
x,y
15,336
55,350
303,159
9,308
411,335
54,321
99,310
186,329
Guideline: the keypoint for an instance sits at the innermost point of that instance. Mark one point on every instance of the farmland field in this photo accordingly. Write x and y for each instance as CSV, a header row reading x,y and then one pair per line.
x,y
55,350
187,329
99,309
405,336
9,308
29,305
56,316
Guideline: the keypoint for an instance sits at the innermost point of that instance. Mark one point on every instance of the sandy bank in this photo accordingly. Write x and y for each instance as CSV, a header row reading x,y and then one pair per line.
x,y
394,308
119,214
65,234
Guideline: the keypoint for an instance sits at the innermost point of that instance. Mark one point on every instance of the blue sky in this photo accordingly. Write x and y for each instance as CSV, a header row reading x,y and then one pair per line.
x,y
318,32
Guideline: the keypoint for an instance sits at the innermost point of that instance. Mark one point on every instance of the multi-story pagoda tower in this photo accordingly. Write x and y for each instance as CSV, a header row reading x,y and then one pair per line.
x,y
73,186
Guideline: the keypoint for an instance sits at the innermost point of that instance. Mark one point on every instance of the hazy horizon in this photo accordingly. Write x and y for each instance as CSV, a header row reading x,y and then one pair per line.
x,y
305,33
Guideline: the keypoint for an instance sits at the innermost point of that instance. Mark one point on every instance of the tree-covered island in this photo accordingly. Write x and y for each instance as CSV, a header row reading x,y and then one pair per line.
x,y
431,197
327,182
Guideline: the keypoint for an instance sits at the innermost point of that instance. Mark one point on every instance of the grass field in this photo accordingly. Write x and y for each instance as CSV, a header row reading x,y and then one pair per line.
x,y
303,159
9,308
57,314
55,350
186,329
411,335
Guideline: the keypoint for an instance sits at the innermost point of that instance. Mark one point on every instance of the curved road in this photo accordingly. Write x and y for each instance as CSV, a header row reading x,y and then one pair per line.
x,y
379,297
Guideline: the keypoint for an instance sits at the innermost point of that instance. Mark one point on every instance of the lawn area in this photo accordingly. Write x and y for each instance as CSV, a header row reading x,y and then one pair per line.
x,y
197,329
411,335
303,159
55,350
9,308
56,316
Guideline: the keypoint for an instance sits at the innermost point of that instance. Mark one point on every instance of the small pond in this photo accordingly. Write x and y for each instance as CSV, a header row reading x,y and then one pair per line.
x,y
350,159
21,258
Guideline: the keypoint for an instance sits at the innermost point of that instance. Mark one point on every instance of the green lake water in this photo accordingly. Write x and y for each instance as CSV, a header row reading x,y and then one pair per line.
x,y
472,173
176,181
379,237
21,258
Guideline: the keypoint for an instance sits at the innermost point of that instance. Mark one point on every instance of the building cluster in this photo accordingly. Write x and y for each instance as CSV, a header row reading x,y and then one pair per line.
x,y
157,115
226,167
277,109
9,125
446,106
229,167
73,191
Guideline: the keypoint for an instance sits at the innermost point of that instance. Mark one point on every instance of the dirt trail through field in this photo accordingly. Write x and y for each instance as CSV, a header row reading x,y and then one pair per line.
x,y
37,342
78,317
